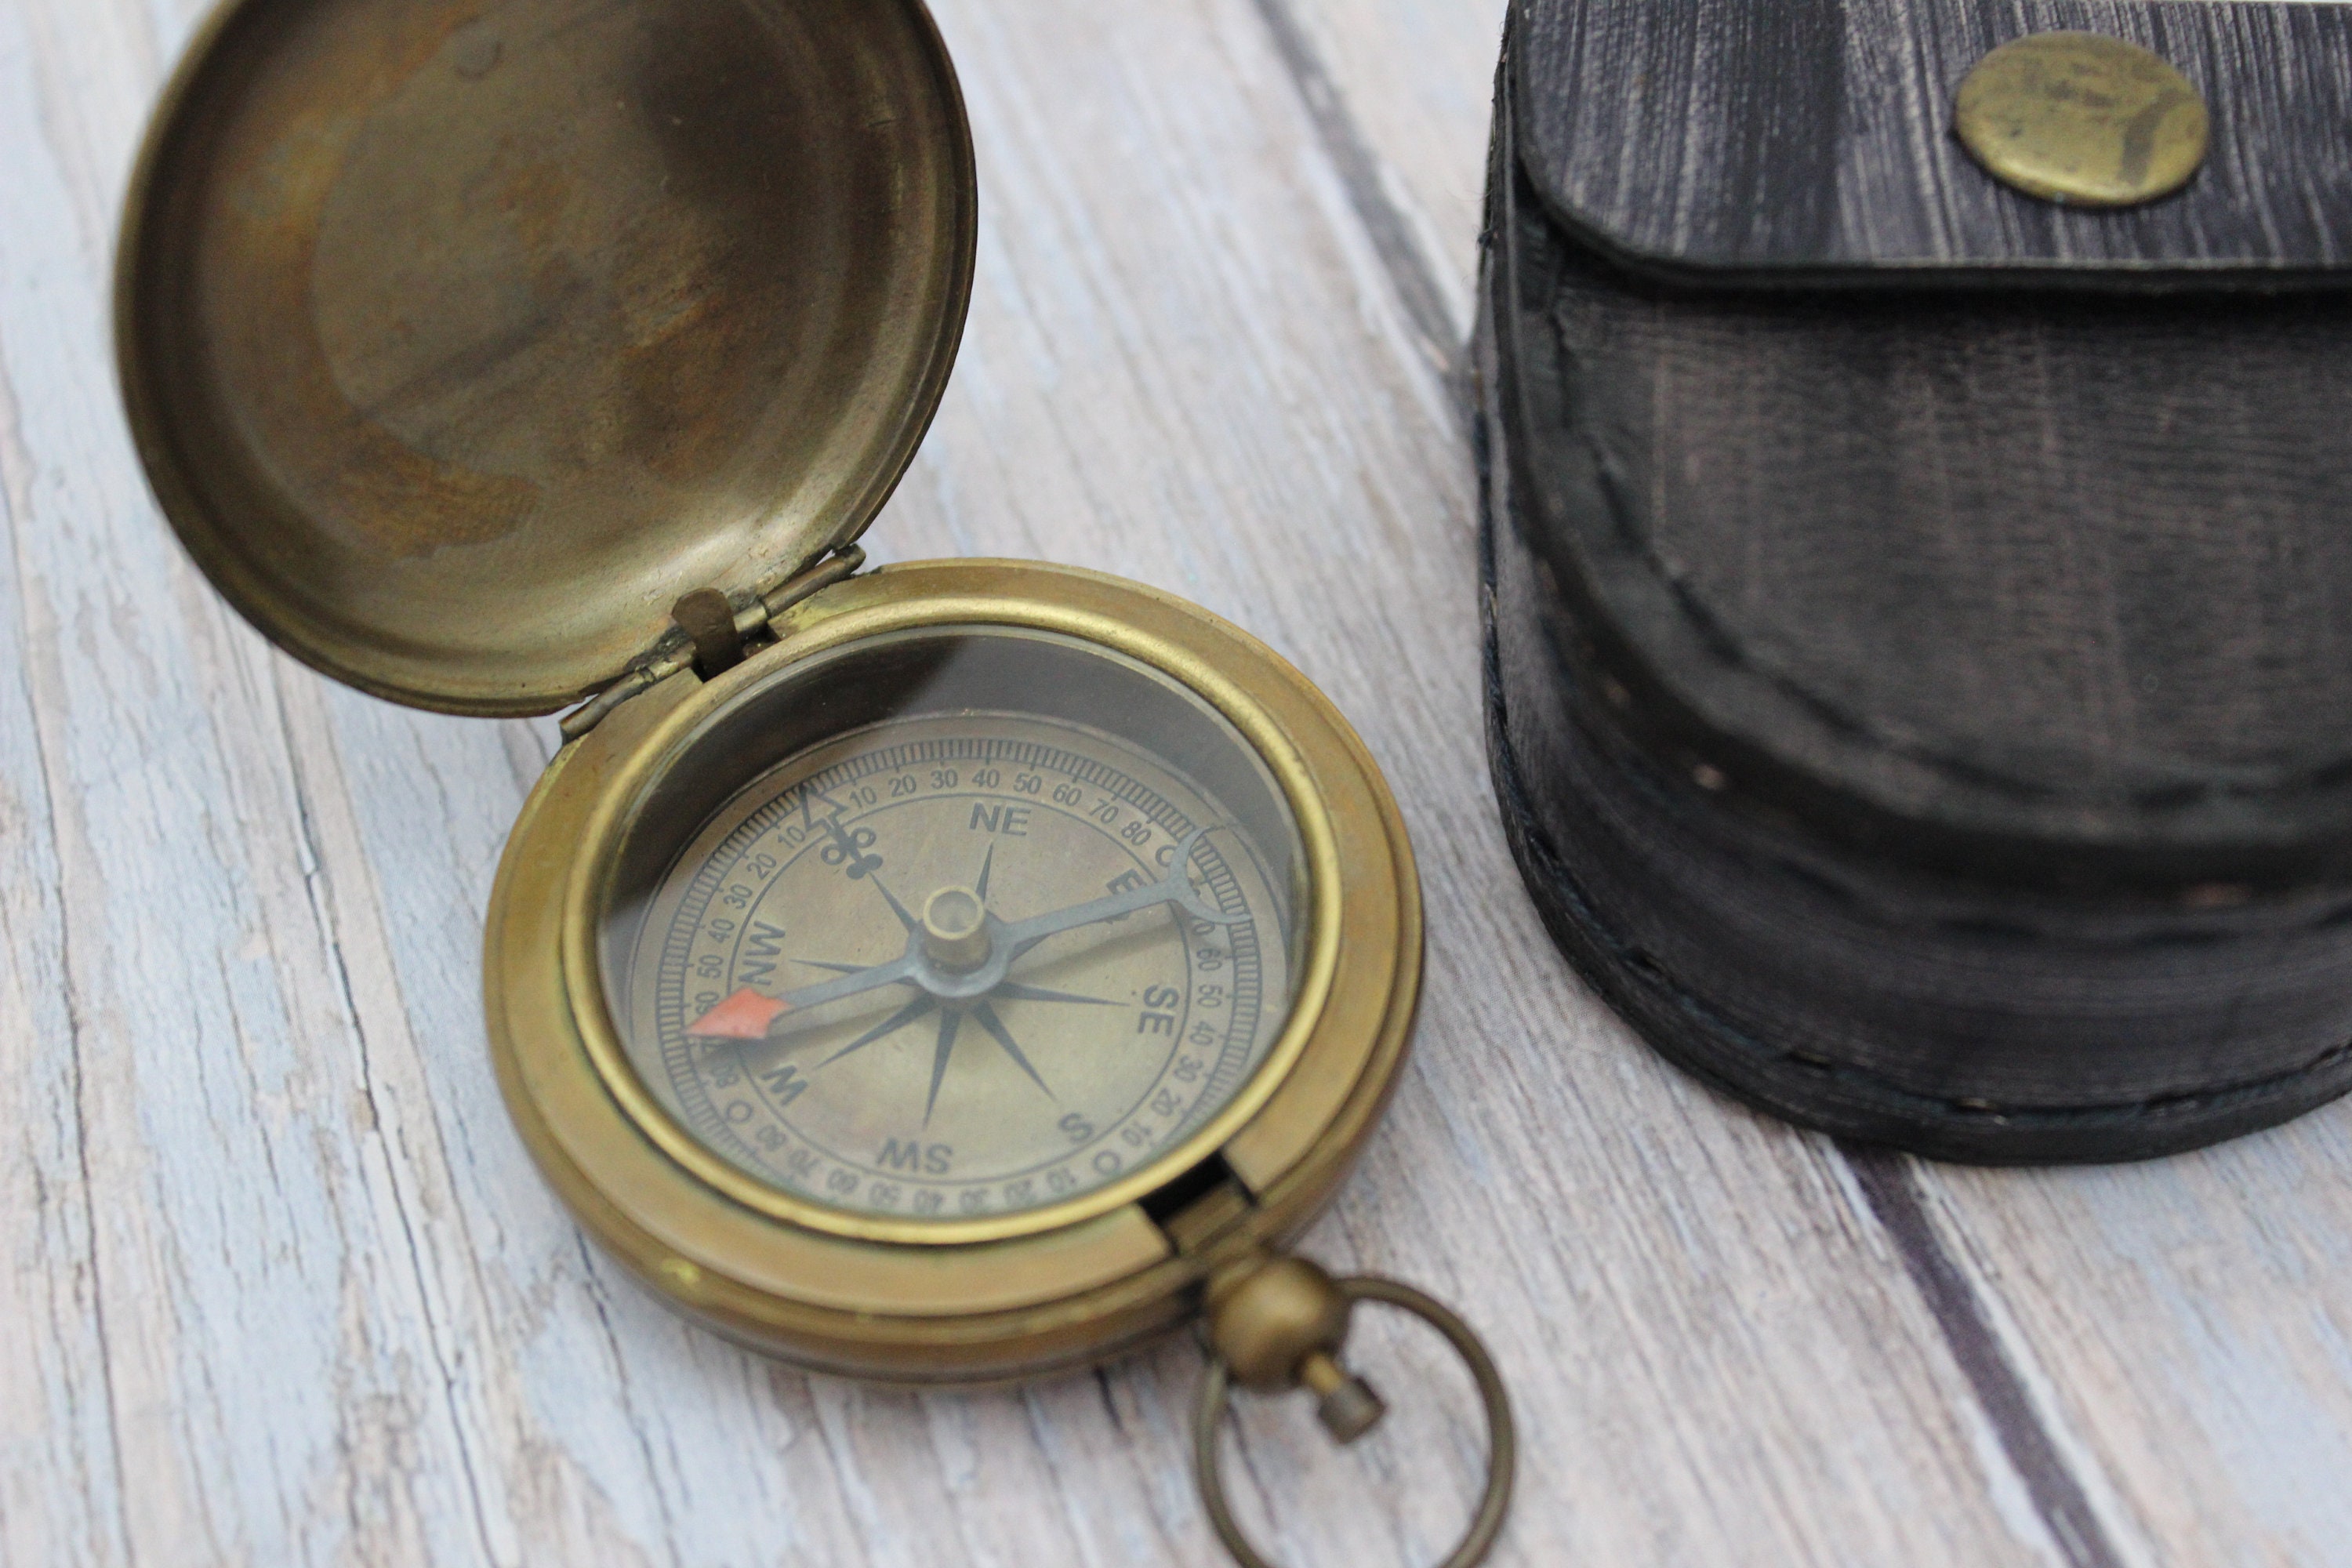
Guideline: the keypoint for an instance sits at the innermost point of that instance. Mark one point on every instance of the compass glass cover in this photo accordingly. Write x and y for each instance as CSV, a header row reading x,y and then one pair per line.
x,y
955,924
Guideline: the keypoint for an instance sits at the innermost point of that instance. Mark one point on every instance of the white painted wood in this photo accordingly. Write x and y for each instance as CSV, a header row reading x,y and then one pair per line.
x,y
1416,79
2187,1325
278,1283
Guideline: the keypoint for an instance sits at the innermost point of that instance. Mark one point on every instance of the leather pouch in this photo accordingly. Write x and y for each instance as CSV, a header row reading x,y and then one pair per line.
x,y
1920,616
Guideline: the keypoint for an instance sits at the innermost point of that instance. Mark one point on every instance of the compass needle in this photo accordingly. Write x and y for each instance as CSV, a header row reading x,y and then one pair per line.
x,y
1014,991
745,1016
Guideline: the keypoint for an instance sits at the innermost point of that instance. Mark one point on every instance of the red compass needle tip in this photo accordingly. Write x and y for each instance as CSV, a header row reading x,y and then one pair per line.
x,y
743,1016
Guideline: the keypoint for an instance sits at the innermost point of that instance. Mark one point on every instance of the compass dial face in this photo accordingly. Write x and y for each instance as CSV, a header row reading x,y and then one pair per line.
x,y
973,962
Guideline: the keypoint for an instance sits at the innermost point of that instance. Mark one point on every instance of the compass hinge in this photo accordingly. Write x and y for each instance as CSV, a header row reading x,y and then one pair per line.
x,y
710,622
710,633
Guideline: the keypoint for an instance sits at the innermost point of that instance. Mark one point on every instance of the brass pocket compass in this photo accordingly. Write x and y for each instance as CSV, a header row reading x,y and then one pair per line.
x,y
946,972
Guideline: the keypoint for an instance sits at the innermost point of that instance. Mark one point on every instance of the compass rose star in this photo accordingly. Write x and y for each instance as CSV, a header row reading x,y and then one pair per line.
x,y
898,1020
949,1021
749,1014
985,1017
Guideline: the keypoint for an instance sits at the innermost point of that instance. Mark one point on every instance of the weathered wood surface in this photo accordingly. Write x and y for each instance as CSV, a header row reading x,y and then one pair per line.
x,y
278,1284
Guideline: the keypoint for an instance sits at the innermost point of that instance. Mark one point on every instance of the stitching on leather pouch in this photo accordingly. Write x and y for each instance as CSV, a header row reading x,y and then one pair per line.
x,y
1509,391
1524,827
2327,777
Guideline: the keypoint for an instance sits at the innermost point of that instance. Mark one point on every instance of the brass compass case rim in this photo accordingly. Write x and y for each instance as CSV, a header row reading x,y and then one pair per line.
x,y
967,1299
593,886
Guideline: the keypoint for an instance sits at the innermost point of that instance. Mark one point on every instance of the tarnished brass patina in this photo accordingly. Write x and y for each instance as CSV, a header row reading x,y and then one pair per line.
x,y
2083,119
949,973
460,341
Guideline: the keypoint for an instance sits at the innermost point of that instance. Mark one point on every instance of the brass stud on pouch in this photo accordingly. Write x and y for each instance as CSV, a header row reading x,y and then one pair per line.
x,y
2083,119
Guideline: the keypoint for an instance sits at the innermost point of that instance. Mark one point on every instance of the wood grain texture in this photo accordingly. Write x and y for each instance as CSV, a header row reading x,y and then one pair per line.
x,y
278,1284
1786,138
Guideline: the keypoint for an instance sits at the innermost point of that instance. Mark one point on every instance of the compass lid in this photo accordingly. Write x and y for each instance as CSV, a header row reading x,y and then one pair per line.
x,y
460,338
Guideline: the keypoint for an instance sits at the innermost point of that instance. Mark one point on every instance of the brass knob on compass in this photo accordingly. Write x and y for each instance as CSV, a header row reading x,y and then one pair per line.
x,y
1280,1325
955,929
1274,1323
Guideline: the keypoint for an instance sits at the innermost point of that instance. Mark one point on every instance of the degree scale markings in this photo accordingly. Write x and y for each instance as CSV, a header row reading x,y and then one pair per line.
x,y
749,1014
887,1140
847,853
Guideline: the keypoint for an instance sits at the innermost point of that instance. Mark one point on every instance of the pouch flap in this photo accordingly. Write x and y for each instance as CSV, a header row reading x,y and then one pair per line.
x,y
1806,141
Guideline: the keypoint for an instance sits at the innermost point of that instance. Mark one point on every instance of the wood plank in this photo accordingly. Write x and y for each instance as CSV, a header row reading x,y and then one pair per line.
x,y
211,1172
2175,1333
309,1300
1410,82
2183,1327
59,1495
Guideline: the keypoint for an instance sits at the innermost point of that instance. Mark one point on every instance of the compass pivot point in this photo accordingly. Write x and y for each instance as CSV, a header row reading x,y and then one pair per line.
x,y
955,929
